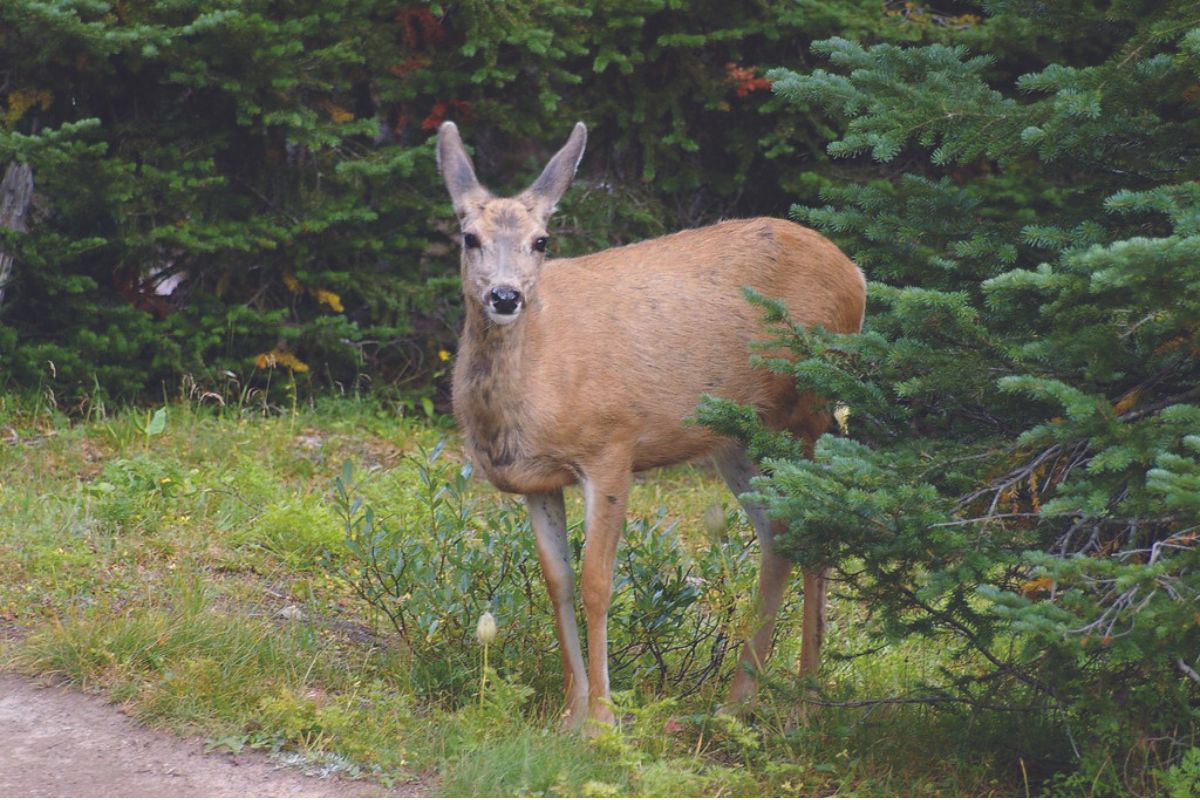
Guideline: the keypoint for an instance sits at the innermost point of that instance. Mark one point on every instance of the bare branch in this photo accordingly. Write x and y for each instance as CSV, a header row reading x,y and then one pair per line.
x,y
929,701
1191,673
1145,411
16,193
988,518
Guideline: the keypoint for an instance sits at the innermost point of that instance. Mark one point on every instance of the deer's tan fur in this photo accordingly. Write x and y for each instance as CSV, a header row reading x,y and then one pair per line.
x,y
617,347
607,356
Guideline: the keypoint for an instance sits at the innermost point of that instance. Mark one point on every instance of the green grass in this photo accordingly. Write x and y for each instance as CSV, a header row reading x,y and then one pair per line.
x,y
187,574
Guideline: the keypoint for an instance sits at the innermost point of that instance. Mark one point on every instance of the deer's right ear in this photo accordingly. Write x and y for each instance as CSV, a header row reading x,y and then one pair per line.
x,y
456,169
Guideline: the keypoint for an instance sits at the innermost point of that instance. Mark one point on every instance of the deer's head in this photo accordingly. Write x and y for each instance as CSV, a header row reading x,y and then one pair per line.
x,y
504,238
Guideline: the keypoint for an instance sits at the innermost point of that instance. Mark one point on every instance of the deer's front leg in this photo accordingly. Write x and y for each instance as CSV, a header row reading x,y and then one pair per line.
x,y
605,491
549,519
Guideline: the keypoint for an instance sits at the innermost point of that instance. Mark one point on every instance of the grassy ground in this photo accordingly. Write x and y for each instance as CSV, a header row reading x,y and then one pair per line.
x,y
190,570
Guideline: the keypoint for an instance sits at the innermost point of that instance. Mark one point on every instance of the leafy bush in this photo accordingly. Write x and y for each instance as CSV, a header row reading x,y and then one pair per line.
x,y
439,559
432,569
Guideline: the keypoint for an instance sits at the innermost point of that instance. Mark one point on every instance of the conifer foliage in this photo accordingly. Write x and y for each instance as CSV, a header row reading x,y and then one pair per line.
x,y
1022,474
225,189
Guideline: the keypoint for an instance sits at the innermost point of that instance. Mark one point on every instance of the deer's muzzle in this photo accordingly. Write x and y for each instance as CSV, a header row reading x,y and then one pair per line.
x,y
504,301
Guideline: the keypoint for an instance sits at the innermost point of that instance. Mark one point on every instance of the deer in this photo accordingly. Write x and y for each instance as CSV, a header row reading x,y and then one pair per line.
x,y
584,371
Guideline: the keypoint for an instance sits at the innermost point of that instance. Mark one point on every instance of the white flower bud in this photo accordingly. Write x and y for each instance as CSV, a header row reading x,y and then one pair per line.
x,y
485,631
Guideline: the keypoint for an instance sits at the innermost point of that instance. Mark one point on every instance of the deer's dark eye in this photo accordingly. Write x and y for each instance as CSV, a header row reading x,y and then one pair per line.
x,y
471,241
539,243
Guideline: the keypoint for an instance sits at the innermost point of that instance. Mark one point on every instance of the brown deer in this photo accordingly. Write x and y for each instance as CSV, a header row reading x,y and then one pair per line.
x,y
582,370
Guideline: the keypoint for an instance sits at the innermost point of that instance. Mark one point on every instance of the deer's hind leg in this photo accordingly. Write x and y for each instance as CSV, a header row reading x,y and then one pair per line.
x,y
737,470
808,424
774,569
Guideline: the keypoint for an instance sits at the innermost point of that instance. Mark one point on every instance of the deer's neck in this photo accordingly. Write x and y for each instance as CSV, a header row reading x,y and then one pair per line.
x,y
489,389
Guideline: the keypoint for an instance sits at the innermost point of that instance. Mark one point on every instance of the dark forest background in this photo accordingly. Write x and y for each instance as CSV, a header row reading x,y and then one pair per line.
x,y
220,186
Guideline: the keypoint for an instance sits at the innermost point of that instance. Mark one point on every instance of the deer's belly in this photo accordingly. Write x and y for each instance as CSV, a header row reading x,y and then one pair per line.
x,y
520,473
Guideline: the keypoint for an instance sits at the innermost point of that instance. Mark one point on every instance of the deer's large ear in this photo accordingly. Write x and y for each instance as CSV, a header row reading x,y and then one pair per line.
x,y
550,186
456,169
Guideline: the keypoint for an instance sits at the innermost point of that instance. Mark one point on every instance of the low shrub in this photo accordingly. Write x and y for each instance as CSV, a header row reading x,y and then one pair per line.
x,y
434,562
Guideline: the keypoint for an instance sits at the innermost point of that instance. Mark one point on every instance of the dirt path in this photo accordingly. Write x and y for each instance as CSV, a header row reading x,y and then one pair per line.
x,y
61,742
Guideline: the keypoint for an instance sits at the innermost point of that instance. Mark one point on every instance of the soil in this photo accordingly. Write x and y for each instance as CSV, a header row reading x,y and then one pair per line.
x,y
61,742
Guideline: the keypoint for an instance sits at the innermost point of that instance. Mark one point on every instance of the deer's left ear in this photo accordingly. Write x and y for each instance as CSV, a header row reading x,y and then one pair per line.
x,y
550,186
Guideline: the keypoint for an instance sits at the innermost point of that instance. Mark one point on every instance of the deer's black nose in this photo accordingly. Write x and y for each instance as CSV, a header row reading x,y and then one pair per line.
x,y
505,299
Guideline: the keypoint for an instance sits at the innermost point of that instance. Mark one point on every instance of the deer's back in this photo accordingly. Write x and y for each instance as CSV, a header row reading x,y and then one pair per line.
x,y
627,340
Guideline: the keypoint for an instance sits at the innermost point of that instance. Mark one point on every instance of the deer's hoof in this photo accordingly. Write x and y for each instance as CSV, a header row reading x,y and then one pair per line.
x,y
600,719
574,716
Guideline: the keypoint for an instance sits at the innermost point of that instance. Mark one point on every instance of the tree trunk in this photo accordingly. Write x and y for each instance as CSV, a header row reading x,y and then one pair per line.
x,y
16,192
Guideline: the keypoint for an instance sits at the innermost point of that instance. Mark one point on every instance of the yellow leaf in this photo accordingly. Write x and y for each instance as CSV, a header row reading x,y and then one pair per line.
x,y
336,113
1127,402
1037,586
1035,499
326,297
280,358
22,100
294,286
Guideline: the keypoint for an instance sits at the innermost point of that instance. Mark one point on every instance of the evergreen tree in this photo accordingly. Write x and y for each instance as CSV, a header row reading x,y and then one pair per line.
x,y
225,185
1023,471
217,146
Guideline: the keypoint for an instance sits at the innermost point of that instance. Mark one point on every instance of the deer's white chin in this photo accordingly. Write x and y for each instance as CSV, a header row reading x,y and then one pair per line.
x,y
504,319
